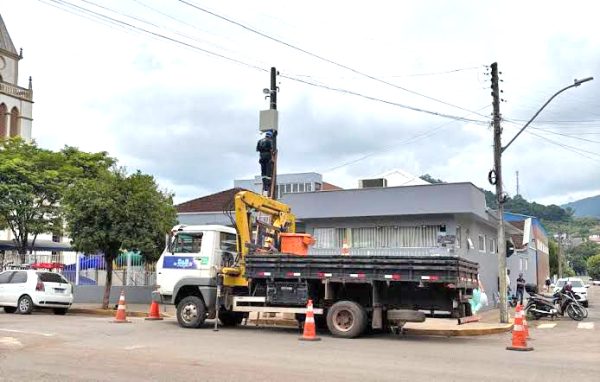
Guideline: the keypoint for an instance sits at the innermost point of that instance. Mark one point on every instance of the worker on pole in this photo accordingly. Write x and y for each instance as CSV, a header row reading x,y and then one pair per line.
x,y
265,148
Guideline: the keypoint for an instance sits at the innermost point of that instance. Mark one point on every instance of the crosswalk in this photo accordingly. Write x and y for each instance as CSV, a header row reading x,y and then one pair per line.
x,y
580,325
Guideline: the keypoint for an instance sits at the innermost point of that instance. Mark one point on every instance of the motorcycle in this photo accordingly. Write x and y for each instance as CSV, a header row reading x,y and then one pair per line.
x,y
564,300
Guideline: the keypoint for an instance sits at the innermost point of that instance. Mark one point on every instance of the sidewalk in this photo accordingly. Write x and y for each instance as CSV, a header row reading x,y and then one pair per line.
x,y
133,310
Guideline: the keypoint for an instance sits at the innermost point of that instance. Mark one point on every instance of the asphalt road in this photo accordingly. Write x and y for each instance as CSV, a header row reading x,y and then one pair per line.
x,y
43,347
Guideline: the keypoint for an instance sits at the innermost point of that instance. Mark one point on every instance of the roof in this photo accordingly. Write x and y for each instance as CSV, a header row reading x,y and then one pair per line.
x,y
40,245
329,187
441,198
518,238
219,202
5,41
398,177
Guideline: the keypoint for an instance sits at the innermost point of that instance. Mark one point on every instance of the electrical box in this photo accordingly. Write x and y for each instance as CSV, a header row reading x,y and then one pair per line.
x,y
269,120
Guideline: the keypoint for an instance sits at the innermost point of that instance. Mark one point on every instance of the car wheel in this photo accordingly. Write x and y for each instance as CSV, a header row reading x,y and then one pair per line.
x,y
10,309
25,305
60,311
191,312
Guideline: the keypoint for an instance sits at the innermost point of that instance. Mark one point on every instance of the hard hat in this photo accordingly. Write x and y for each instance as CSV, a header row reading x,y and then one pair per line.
x,y
269,134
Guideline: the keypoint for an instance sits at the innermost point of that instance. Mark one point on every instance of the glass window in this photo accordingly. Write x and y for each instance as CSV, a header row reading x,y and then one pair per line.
x,y
458,237
308,187
228,242
481,245
329,237
19,278
49,277
301,187
187,243
295,187
288,188
5,276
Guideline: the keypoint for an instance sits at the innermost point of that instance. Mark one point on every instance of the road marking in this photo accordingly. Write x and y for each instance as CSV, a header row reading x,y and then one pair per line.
x,y
10,342
27,332
546,326
585,325
134,347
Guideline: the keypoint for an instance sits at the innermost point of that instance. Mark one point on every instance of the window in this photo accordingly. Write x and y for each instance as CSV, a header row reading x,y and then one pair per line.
x,y
5,277
49,277
287,188
492,245
301,187
228,242
14,123
481,246
329,237
3,113
317,186
294,187
187,243
308,187
19,278
395,237
458,242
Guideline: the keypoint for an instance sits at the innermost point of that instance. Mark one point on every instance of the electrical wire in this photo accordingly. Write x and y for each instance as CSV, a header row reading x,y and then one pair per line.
x,y
279,41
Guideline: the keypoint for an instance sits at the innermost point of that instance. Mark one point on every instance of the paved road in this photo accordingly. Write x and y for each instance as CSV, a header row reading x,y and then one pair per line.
x,y
42,347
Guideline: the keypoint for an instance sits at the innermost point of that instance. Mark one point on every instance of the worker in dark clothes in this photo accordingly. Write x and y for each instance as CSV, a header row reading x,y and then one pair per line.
x,y
520,288
265,148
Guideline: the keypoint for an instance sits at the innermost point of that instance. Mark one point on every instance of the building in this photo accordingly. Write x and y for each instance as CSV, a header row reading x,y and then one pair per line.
x,y
422,219
211,209
15,102
531,256
288,183
393,178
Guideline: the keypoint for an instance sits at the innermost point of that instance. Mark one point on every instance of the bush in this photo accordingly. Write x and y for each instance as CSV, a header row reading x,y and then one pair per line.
x,y
593,267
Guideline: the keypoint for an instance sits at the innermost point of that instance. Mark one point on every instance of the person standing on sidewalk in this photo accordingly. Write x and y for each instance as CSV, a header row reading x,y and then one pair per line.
x,y
520,288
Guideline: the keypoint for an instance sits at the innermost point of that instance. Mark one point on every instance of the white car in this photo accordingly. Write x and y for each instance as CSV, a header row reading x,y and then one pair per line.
x,y
23,290
579,288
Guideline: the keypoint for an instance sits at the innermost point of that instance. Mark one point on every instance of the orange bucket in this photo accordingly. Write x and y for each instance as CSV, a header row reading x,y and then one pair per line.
x,y
296,243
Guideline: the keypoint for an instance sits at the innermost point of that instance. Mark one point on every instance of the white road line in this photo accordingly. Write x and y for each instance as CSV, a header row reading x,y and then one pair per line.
x,y
546,326
134,347
27,332
10,342
585,325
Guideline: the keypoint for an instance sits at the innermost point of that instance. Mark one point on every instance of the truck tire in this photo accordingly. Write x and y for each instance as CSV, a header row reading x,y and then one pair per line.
x,y
191,312
346,319
230,318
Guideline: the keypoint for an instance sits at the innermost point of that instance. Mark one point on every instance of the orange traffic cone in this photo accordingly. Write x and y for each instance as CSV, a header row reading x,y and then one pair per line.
x,y
121,316
154,314
519,341
310,331
345,248
525,325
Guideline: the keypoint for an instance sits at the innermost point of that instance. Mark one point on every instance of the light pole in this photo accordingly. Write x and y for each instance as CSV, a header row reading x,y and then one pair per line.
x,y
500,197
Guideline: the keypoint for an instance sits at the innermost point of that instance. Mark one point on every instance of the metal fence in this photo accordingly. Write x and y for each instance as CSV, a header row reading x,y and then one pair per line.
x,y
128,270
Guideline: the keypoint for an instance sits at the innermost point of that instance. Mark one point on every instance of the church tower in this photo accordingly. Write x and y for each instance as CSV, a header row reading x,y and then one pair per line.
x,y
15,102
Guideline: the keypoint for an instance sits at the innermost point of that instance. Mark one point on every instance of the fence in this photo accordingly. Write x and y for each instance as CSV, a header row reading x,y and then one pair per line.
x,y
403,251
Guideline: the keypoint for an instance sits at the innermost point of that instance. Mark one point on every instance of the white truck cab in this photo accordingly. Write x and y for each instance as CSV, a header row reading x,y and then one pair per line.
x,y
191,257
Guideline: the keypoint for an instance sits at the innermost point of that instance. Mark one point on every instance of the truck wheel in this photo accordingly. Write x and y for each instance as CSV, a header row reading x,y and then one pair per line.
x,y
191,312
346,319
230,318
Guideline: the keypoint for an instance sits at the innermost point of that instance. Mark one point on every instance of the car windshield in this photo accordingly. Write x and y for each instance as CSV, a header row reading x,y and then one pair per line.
x,y
574,283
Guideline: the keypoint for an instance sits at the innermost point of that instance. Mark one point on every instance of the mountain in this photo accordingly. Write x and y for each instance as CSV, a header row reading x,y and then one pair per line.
x,y
586,207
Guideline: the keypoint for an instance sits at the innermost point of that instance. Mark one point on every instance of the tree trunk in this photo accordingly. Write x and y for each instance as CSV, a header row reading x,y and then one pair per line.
x,y
109,271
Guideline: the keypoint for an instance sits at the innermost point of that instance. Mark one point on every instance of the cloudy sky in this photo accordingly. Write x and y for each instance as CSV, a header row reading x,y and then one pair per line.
x,y
174,87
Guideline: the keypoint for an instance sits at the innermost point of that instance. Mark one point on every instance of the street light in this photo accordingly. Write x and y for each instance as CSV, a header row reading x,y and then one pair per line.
x,y
498,150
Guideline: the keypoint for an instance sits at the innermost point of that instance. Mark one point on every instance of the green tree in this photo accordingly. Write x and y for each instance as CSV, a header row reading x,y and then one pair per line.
x,y
579,255
553,256
32,182
593,267
117,212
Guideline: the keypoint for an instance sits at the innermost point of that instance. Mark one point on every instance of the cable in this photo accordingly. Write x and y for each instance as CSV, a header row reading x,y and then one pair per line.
x,y
391,76
566,135
408,140
250,29
567,147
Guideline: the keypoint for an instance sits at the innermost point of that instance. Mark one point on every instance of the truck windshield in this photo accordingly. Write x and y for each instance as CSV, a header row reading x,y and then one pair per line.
x,y
186,243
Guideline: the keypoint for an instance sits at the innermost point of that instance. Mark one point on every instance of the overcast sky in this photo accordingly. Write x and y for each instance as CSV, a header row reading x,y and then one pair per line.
x,y
190,118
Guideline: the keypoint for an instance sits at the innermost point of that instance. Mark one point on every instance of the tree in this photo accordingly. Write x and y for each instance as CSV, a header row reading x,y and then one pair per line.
x,y
32,182
579,255
593,267
553,256
431,179
117,212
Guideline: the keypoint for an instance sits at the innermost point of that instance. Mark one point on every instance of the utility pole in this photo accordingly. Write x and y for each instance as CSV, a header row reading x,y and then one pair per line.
x,y
273,106
560,255
499,194
518,191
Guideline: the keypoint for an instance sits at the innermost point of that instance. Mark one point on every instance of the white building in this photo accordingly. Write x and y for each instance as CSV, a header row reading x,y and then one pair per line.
x,y
15,101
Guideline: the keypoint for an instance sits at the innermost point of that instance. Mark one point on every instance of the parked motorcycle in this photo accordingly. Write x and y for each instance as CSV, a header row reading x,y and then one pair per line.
x,y
539,306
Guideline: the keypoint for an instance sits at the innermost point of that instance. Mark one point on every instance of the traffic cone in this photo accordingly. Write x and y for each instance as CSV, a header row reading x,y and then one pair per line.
x,y
310,331
121,316
154,314
519,340
345,248
525,325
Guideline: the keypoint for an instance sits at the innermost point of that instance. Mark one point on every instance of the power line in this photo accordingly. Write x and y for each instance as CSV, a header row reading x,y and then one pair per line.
x,y
566,135
279,41
391,76
414,138
569,148
130,26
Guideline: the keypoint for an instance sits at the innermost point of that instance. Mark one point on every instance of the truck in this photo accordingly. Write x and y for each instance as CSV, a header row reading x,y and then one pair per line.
x,y
224,273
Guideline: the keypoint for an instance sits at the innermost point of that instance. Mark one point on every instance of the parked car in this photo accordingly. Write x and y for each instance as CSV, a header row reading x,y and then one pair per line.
x,y
596,282
23,290
579,288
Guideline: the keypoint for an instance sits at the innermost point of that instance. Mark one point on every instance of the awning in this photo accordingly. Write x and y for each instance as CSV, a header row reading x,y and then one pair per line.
x,y
40,245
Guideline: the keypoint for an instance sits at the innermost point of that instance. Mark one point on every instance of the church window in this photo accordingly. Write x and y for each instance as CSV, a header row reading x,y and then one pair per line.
x,y
14,123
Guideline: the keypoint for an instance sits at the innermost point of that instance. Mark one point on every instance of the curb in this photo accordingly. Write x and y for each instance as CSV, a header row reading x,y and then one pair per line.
x,y
109,313
460,332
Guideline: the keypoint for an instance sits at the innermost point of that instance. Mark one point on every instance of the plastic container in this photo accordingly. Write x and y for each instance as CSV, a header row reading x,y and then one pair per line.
x,y
296,243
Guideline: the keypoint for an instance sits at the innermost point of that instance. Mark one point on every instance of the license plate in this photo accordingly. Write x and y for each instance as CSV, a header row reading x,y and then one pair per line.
x,y
59,290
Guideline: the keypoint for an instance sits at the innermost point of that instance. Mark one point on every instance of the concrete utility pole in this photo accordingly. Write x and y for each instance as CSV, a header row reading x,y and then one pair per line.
x,y
273,106
497,177
560,255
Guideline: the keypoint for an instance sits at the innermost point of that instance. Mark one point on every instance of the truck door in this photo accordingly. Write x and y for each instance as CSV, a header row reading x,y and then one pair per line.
x,y
188,255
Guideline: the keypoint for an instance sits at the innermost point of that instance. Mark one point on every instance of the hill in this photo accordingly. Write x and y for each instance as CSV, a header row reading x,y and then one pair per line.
x,y
586,207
